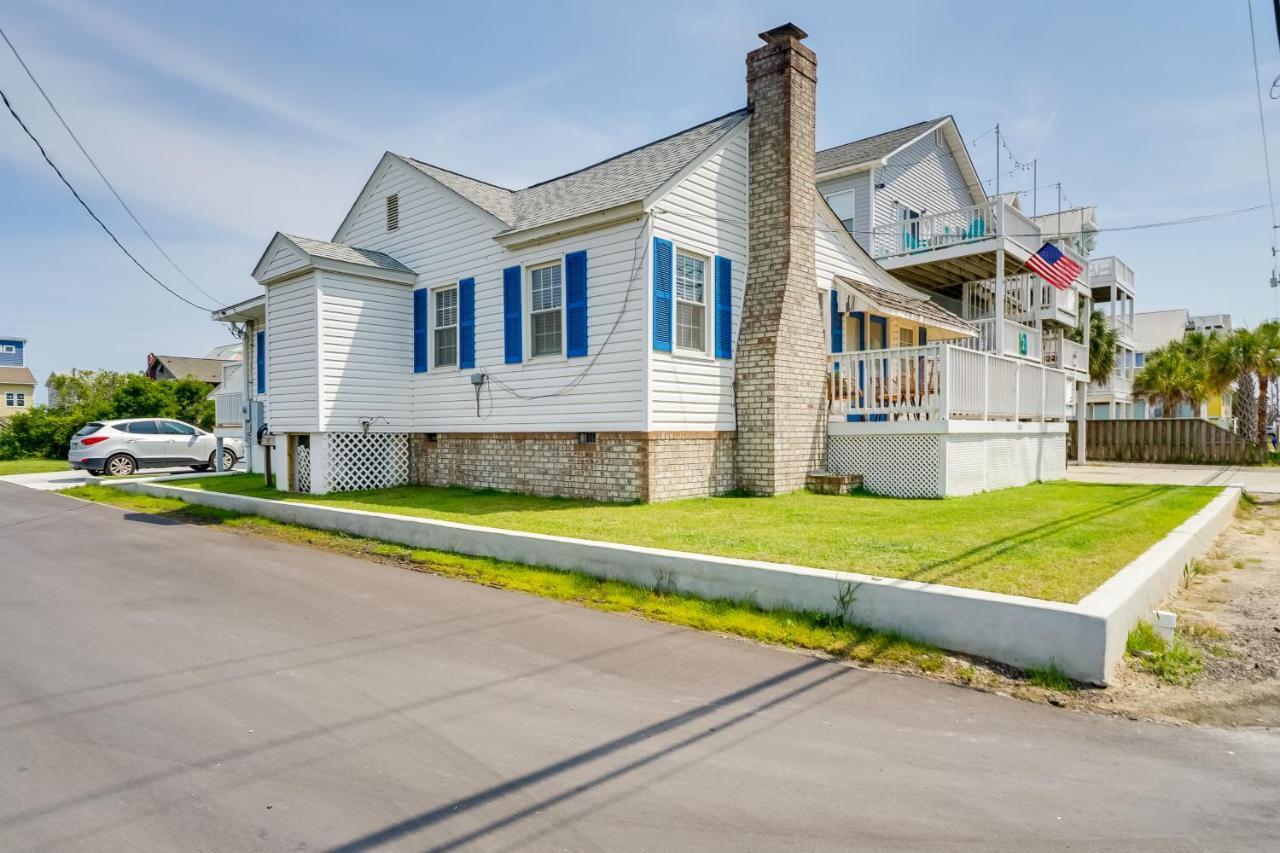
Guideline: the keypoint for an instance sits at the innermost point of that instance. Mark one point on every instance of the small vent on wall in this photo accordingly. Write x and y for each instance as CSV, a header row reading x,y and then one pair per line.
x,y
393,211
586,438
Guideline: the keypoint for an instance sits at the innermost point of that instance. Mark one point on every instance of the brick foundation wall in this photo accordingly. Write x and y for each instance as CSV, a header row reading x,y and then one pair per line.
x,y
618,466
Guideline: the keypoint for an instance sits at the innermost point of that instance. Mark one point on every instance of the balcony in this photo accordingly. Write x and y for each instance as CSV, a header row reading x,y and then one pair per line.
x,y
941,382
1108,271
1068,356
1019,341
1122,326
1120,387
954,246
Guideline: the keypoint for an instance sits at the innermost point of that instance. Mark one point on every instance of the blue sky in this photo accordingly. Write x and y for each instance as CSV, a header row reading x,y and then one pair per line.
x,y
223,123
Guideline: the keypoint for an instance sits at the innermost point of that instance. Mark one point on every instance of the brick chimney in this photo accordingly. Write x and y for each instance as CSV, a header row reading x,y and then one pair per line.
x,y
780,365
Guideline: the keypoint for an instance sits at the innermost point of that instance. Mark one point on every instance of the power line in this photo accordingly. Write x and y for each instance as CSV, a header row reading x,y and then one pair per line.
x,y
88,209
1262,124
97,169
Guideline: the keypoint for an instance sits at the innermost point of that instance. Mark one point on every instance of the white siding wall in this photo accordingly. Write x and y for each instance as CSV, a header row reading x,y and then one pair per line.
x,y
932,182
285,259
861,185
292,380
366,355
706,214
444,240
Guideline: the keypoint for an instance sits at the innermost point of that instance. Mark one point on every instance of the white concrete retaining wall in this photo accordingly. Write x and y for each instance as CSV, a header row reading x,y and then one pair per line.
x,y
1083,640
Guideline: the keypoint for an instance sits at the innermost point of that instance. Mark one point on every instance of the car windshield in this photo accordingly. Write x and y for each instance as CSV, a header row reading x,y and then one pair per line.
x,y
88,429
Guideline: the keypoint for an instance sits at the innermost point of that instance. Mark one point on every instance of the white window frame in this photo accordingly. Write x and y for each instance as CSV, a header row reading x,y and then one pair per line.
x,y
911,336
705,304
434,328
853,206
8,349
529,270
15,399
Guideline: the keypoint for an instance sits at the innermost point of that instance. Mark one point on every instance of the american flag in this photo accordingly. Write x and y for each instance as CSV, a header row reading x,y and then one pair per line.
x,y
1054,267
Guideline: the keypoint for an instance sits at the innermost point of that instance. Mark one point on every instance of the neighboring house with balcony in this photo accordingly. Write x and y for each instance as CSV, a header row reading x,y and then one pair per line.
x,y
685,318
17,384
1112,282
1154,329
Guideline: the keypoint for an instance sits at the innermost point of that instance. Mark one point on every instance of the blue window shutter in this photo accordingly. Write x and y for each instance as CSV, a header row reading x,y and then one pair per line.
x,y
467,323
663,259
260,356
512,321
837,323
923,336
575,301
420,330
724,307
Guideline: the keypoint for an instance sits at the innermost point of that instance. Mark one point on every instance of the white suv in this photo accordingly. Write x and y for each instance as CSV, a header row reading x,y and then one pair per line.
x,y
123,447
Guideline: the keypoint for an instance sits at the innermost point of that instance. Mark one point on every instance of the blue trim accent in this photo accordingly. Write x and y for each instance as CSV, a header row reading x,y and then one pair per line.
x,y
663,271
575,302
724,307
12,359
420,330
260,360
883,323
512,321
467,324
837,323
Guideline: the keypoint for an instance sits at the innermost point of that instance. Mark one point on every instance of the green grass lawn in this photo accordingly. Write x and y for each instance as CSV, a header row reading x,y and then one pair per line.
x,y
1055,541
32,466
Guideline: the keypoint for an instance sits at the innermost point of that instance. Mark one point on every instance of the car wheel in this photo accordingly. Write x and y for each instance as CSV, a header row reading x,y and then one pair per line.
x,y
121,465
228,459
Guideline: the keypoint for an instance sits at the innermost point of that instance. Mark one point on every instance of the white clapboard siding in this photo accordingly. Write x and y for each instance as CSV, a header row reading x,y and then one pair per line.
x,y
284,260
923,176
292,378
444,240
705,213
366,356
861,184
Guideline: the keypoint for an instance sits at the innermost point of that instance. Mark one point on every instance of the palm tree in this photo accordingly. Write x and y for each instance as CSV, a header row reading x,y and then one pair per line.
x,y
1176,373
1103,341
1266,366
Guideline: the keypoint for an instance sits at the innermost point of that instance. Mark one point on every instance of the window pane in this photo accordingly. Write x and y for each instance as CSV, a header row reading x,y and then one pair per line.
x,y
689,278
447,346
842,204
689,326
176,428
144,428
545,286
546,333
447,307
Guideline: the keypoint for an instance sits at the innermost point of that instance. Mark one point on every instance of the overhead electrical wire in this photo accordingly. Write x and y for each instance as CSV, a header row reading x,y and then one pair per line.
x,y
97,168
1262,125
13,112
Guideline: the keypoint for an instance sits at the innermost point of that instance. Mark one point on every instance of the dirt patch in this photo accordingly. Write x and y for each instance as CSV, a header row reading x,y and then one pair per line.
x,y
1229,611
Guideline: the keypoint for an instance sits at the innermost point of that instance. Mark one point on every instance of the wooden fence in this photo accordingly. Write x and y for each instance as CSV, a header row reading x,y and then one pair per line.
x,y
1174,440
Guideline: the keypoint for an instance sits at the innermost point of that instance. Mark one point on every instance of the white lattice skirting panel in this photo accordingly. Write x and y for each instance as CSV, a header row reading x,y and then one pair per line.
x,y
904,466
940,464
374,460
302,474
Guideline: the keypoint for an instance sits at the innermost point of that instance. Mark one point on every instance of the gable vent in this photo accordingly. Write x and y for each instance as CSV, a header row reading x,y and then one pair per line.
x,y
393,211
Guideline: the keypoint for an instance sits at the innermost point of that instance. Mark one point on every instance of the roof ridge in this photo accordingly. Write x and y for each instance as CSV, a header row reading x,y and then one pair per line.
x,y
935,121
743,110
457,174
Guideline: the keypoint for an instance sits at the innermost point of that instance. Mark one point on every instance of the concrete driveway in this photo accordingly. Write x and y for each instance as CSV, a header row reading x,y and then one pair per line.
x,y
52,481
1257,479
170,687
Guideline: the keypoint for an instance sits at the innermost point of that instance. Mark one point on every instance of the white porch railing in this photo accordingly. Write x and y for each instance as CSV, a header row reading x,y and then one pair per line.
x,y
1103,271
1019,341
954,227
941,382
1066,354
1122,326
1119,385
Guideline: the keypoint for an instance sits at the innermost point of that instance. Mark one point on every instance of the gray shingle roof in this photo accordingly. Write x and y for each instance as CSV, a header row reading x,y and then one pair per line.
x,y
920,310
872,148
348,254
204,369
628,177
16,376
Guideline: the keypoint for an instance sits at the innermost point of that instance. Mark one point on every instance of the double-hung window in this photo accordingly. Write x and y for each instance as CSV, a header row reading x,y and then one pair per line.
x,y
842,204
10,399
546,310
445,327
691,302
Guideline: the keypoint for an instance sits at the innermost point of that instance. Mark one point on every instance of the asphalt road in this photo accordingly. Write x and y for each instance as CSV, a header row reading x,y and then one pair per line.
x,y
167,687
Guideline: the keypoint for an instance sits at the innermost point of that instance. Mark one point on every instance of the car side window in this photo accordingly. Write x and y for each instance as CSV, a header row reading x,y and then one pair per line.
x,y
175,428
144,428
